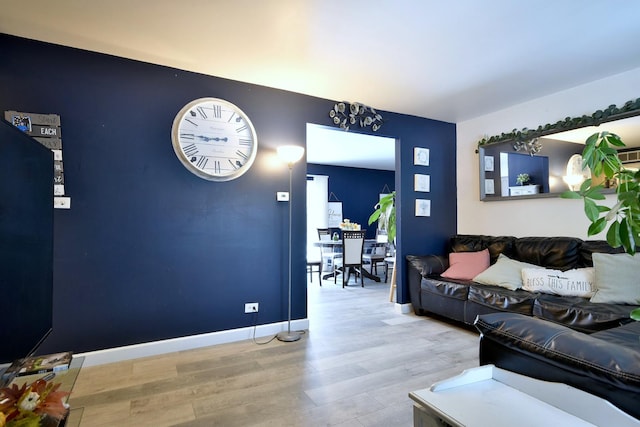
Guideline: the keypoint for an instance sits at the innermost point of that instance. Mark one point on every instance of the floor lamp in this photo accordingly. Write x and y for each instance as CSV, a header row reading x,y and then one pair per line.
x,y
290,154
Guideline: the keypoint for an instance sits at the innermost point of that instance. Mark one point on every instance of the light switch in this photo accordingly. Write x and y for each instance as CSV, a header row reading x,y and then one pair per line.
x,y
282,196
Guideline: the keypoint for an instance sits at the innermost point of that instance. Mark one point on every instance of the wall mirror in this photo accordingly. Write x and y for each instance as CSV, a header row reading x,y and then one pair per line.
x,y
546,161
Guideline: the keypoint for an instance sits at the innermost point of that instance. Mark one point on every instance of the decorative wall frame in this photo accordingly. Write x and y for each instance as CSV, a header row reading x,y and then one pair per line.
x,y
489,186
423,207
488,163
47,130
420,156
334,211
421,183
526,141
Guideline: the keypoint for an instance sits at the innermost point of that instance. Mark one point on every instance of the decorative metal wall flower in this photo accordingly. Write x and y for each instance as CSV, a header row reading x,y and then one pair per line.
x,y
533,146
346,115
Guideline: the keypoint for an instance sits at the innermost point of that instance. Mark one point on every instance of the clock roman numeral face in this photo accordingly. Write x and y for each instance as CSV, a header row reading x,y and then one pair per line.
x,y
214,139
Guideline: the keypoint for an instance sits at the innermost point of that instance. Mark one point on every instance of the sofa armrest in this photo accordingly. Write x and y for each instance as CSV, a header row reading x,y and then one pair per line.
x,y
419,266
428,265
553,352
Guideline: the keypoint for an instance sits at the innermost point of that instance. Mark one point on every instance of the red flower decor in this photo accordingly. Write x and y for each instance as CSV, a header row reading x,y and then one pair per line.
x,y
38,399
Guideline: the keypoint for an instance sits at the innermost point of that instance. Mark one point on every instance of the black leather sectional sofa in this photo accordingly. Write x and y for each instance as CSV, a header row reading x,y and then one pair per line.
x,y
464,300
594,347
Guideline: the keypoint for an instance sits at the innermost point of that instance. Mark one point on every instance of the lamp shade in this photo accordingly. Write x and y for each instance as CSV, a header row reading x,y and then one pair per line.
x,y
290,153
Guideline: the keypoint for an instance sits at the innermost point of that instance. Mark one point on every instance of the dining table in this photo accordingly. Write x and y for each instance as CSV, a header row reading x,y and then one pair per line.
x,y
335,244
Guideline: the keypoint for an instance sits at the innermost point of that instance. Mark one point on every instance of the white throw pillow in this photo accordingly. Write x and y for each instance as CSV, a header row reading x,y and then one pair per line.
x,y
578,282
506,272
617,278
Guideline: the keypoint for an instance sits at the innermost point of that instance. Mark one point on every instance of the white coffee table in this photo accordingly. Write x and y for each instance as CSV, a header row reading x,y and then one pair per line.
x,y
490,396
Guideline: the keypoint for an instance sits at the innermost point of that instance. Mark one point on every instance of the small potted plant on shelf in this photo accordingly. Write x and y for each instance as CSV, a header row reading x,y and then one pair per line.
x,y
523,178
601,156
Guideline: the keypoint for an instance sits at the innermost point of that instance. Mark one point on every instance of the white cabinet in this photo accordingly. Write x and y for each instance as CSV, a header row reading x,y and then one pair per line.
x,y
523,190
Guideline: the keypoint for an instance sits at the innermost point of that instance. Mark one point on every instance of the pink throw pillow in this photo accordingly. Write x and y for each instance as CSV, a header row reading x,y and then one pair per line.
x,y
466,265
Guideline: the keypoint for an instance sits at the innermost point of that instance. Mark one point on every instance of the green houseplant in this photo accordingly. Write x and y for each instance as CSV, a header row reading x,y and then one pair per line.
x,y
385,213
601,156
523,178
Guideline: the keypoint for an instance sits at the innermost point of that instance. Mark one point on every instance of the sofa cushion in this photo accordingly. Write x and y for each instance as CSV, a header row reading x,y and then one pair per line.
x,y
589,247
475,243
626,335
577,282
501,299
562,253
506,273
466,265
617,278
579,313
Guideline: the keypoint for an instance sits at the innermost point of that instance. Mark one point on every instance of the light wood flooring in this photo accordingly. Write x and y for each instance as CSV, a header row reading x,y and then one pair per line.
x,y
354,367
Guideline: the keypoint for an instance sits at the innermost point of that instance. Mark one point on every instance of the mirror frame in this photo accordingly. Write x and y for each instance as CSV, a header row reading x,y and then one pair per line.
x,y
609,114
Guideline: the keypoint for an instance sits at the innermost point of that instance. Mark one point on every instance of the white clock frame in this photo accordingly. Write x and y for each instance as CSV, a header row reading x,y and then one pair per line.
x,y
214,139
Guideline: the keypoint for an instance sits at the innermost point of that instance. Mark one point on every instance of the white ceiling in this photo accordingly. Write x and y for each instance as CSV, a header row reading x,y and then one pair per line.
x,y
449,61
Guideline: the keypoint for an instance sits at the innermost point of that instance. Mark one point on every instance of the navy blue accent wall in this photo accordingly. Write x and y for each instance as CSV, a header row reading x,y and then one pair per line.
x,y
148,250
425,235
358,189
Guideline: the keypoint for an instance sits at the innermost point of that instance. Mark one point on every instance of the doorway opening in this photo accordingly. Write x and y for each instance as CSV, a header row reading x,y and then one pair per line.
x,y
332,149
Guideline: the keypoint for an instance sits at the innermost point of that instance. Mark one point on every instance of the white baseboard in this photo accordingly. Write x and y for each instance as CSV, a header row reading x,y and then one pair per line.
x,y
118,354
403,308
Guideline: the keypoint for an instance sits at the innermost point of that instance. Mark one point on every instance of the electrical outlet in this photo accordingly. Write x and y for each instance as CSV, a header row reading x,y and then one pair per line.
x,y
251,307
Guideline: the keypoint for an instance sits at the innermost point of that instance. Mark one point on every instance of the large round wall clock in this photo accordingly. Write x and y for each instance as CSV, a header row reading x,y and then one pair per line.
x,y
214,139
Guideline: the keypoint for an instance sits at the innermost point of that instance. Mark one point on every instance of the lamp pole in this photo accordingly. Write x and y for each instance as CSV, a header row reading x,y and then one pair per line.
x,y
290,154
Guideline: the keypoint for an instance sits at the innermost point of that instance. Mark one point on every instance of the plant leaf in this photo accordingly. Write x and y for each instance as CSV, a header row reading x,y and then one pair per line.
x,y
613,235
595,193
626,237
374,216
571,195
597,227
592,139
614,139
591,210
585,185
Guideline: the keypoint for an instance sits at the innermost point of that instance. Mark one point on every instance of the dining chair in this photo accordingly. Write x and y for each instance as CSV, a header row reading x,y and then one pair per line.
x,y
328,252
351,258
314,263
376,253
323,232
